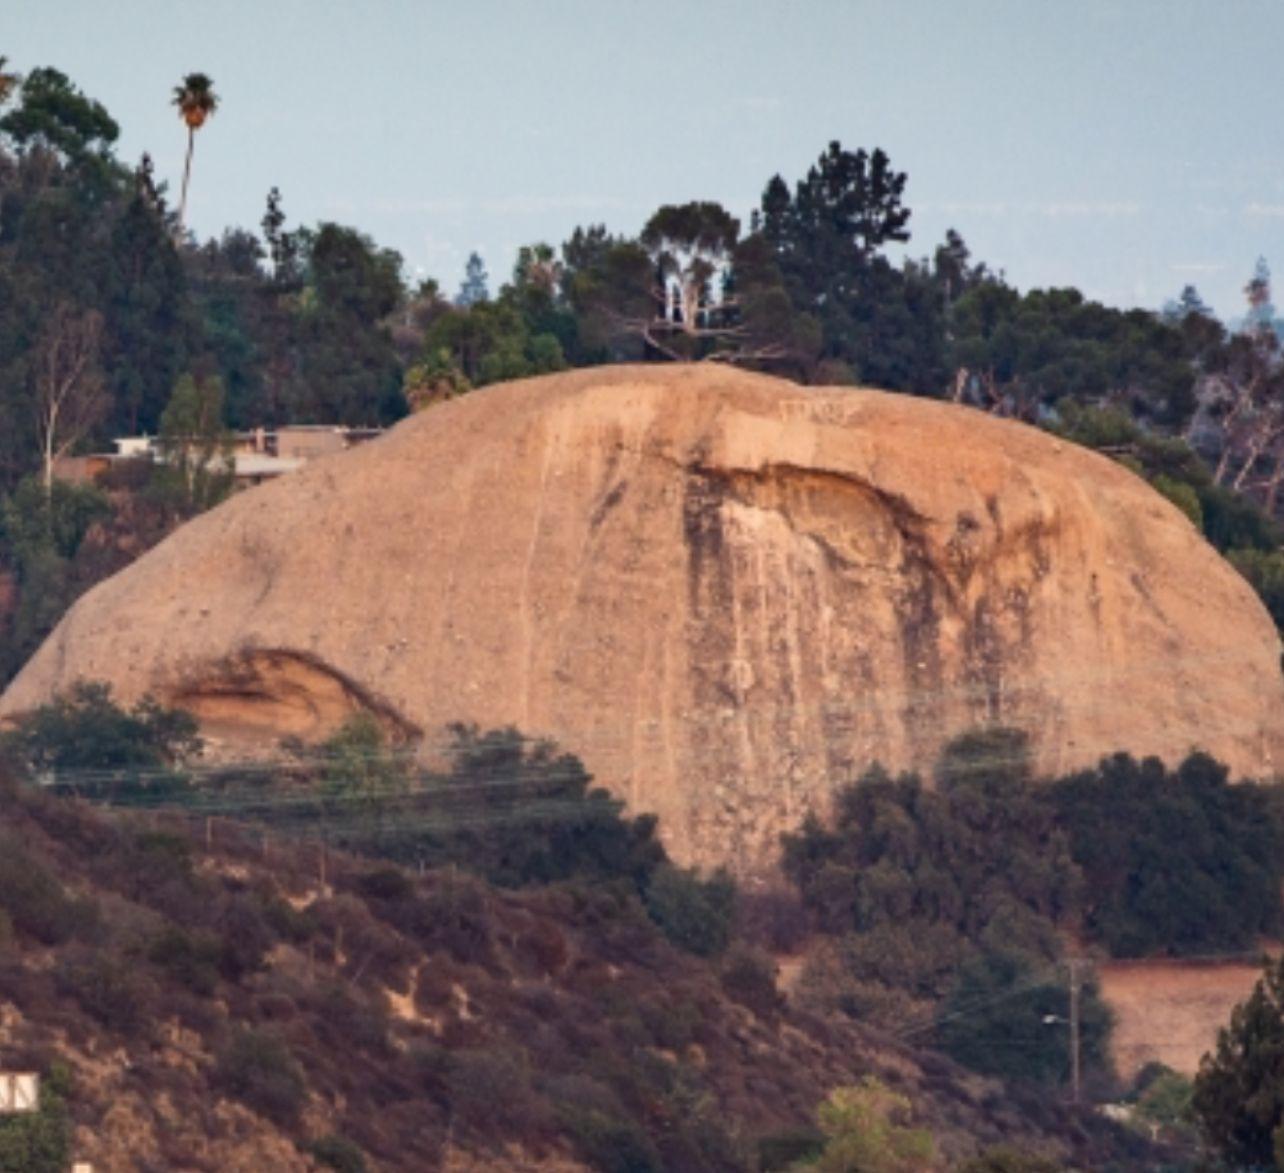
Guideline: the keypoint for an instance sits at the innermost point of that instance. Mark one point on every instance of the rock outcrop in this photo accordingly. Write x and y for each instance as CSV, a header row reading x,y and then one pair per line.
x,y
727,593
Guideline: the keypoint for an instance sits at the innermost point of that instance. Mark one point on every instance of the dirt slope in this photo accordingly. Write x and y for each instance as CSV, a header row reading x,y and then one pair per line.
x,y
1170,1011
724,591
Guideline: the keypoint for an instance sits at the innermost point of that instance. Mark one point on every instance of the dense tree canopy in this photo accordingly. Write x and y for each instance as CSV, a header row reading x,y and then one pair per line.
x,y
932,902
1179,861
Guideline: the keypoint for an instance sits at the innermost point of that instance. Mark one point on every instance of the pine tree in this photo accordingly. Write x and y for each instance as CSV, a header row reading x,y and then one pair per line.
x,y
473,291
1239,1092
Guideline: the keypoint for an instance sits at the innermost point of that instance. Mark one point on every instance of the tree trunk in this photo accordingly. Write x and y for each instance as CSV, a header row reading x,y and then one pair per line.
x,y
1254,451
187,174
1223,463
48,460
1273,485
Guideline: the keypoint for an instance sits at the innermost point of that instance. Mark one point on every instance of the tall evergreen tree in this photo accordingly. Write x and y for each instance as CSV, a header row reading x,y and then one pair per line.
x,y
474,290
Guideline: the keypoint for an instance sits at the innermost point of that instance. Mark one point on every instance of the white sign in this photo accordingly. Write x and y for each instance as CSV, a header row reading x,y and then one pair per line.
x,y
19,1092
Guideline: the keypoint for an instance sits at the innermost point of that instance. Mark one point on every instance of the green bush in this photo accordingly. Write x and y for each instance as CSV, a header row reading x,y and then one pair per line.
x,y
794,1148
1178,862
246,936
609,1143
1164,1100
512,810
1007,1016
485,1082
1009,1160
1183,495
749,977
191,959
110,989
258,1069
35,902
390,884
866,1129
696,915
455,914
84,729
339,1153
41,1141
1264,570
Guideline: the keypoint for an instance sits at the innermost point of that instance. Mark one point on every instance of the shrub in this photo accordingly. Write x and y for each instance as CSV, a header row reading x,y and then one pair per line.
x,y
1009,1160
507,808
1165,1100
108,988
339,1153
481,1082
297,925
609,1143
40,1142
84,729
258,1069
797,1147
458,918
1265,573
694,914
749,977
350,1024
673,1022
1183,495
865,1129
390,884
191,959
774,919
155,868
36,902
360,769
245,934
1007,1017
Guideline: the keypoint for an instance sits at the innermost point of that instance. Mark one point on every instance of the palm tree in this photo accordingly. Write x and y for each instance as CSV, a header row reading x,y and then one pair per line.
x,y
196,101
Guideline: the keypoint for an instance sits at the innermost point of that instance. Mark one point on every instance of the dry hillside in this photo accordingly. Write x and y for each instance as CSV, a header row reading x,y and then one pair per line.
x,y
218,1008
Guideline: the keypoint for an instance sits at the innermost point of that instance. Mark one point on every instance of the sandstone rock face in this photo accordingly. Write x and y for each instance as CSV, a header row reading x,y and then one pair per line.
x,y
727,593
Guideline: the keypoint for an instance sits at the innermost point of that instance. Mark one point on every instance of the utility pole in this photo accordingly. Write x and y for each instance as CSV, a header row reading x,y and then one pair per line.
x,y
1074,1030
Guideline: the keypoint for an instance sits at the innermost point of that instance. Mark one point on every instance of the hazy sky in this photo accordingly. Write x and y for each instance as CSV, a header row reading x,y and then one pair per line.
x,y
1124,146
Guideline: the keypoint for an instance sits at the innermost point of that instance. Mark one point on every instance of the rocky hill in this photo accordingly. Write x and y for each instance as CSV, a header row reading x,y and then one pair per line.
x,y
724,592
198,1001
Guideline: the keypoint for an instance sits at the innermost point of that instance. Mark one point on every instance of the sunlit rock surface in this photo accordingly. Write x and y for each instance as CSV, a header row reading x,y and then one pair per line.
x,y
726,592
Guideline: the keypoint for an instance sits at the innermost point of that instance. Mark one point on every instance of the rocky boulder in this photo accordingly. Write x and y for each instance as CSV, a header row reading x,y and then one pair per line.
x,y
726,592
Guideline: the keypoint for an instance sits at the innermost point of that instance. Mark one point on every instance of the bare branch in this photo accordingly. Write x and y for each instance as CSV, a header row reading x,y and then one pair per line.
x,y
69,396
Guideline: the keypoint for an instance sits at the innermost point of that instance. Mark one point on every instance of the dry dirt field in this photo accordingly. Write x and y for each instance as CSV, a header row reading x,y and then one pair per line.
x,y
1170,1011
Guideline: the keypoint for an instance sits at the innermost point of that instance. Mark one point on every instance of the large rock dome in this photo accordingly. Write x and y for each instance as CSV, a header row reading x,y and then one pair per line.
x,y
726,592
